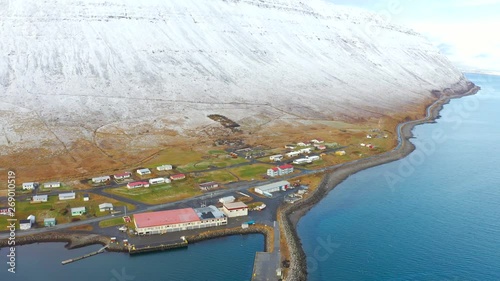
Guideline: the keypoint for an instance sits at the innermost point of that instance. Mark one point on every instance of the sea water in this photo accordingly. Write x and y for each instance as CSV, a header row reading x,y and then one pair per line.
x,y
434,215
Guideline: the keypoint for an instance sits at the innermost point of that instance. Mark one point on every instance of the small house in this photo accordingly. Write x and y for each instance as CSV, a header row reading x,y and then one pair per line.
x,y
227,199
305,150
177,177
32,219
302,143
52,184
137,184
24,224
39,198
121,176
290,146
49,222
78,211
317,141
105,207
67,196
86,197
101,179
276,158
157,181
321,147
313,158
30,185
208,185
4,211
235,209
340,153
164,168
144,171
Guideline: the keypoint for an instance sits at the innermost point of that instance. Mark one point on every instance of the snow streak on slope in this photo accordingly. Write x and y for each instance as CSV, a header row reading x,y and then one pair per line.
x,y
75,66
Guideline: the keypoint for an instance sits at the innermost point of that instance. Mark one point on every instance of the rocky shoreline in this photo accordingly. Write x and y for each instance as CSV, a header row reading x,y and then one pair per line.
x,y
289,215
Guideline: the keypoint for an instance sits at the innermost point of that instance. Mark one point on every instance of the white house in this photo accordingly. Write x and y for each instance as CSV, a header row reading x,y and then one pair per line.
x,y
30,185
227,199
235,209
67,196
32,219
105,207
121,176
24,224
305,150
293,154
164,168
273,172
137,184
313,158
143,172
301,161
39,198
78,211
157,181
52,184
86,197
101,179
278,157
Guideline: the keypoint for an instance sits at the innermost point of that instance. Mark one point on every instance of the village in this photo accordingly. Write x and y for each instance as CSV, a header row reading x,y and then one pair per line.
x,y
50,203
155,206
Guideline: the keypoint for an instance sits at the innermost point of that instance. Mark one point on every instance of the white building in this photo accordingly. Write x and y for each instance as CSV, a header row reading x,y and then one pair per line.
x,y
24,224
293,154
54,184
32,219
30,185
86,197
105,207
278,157
78,211
143,172
39,198
158,181
272,187
235,209
67,196
305,150
227,199
164,168
101,179
301,161
313,158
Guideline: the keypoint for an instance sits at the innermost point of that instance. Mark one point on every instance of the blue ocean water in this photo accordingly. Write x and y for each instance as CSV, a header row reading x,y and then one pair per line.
x,y
228,258
434,215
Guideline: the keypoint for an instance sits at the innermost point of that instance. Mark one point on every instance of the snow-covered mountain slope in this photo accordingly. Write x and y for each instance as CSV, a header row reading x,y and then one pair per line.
x,y
70,68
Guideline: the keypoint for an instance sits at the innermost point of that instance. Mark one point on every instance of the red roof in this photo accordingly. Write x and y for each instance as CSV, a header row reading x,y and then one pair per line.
x,y
178,176
286,166
274,169
151,219
138,183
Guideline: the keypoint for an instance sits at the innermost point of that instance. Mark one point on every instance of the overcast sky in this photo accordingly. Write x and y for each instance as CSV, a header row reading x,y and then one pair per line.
x,y
466,31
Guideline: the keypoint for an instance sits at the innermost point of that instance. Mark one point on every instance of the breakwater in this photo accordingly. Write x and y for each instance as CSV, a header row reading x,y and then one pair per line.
x,y
290,214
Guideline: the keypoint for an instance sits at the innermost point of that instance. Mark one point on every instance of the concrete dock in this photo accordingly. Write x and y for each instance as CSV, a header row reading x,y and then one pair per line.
x,y
85,256
267,265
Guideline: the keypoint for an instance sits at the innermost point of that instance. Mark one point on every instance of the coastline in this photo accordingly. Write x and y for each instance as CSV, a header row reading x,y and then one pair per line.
x,y
289,215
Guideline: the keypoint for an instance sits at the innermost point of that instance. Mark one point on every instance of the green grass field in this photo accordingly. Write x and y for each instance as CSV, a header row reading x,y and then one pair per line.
x,y
250,172
111,222
216,162
161,193
220,176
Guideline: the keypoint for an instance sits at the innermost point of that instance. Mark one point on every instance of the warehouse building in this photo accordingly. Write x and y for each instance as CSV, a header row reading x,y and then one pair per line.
x,y
235,209
272,187
178,220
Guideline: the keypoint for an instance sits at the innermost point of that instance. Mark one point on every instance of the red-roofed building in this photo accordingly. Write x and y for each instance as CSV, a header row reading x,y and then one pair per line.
x,y
175,220
273,172
121,176
137,184
280,170
177,177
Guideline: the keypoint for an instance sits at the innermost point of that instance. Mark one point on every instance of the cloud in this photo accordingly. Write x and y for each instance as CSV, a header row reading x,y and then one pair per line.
x,y
476,3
